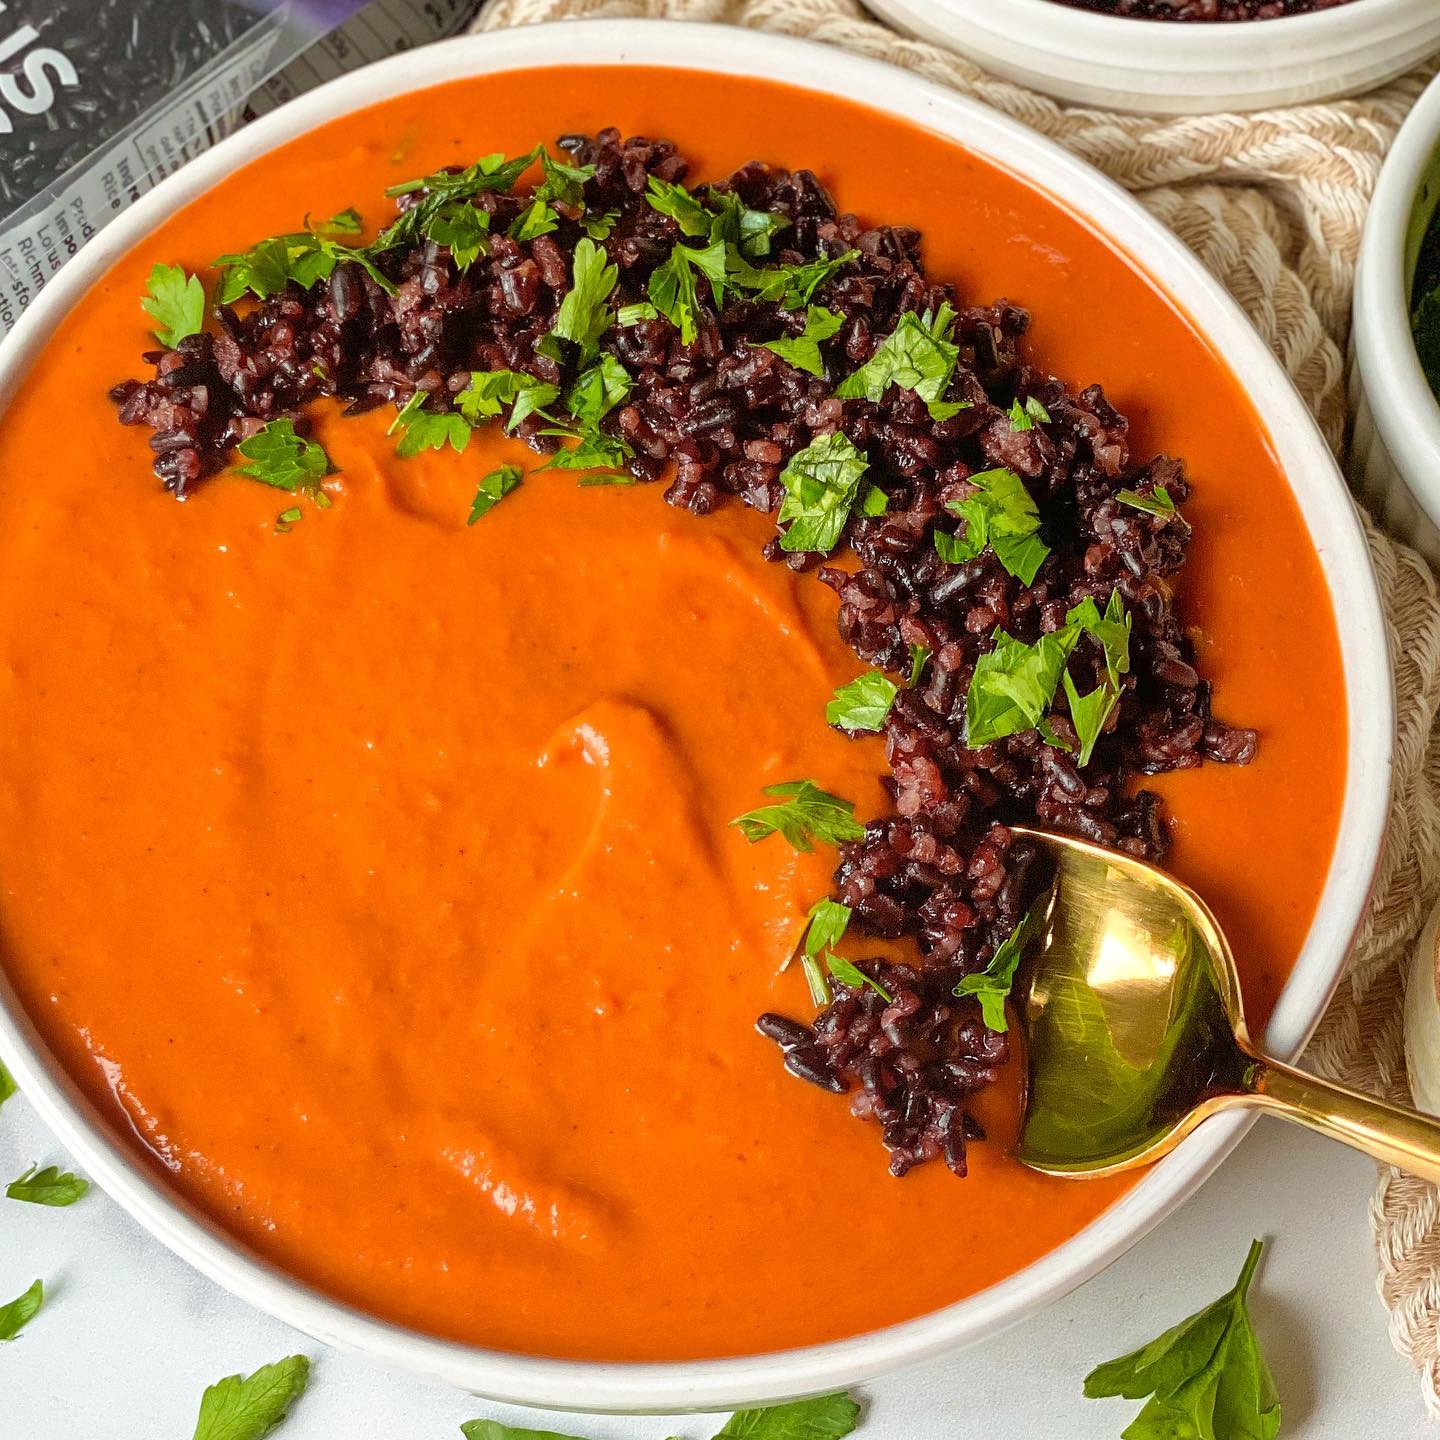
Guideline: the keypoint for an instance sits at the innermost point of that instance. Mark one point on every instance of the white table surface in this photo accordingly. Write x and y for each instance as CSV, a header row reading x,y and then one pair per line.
x,y
130,1336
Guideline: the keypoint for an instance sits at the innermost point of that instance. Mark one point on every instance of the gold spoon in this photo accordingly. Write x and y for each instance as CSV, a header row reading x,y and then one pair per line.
x,y
1135,1033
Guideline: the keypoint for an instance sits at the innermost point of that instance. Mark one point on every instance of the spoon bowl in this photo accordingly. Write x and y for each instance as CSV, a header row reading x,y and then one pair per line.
x,y
1135,1030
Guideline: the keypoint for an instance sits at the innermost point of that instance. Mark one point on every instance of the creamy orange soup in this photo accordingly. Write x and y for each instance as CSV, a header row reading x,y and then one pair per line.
x,y
375,877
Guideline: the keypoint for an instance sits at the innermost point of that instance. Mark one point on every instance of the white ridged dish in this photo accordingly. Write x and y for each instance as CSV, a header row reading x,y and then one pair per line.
x,y
1320,495
1179,68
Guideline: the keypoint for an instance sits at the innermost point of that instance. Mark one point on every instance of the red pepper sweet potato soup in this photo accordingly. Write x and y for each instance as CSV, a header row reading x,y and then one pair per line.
x,y
374,872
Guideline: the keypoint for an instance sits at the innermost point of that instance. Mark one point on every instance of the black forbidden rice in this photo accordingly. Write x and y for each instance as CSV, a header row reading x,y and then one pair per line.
x,y
718,419
125,56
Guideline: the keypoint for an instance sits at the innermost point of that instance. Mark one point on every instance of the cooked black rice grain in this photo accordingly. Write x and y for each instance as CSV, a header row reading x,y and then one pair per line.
x,y
718,418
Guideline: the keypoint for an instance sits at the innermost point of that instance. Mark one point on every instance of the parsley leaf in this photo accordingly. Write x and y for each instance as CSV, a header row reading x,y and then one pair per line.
x,y
863,704
916,355
822,485
287,520
993,984
493,489
536,219
8,1087
280,457
598,390
1089,713
427,429
608,477
634,314
21,1311
498,1430
47,1187
829,920
826,1417
304,258
1024,417
803,350
749,231
919,659
680,205
490,172
584,314
1155,501
564,184
490,390
249,1407
597,227
175,302
1205,1376
1002,515
790,285
592,451
1013,685
463,230
671,286
805,814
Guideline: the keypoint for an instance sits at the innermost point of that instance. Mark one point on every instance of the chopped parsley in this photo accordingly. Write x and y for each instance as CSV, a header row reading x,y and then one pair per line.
x,y
993,984
791,286
597,227
1025,417
592,451
564,184
441,213
493,489
490,172
1090,713
634,314
8,1087
175,302
919,659
49,1186
671,286
1205,1376
490,390
20,1311
249,1407
584,314
597,391
826,1417
680,205
826,927
822,487
917,355
303,258
608,477
423,429
749,231
803,350
1155,501
538,218
1000,515
805,814
287,520
863,704
283,459
1014,684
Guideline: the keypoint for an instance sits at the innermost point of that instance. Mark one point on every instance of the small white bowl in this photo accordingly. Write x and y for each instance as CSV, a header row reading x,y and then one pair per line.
x,y
1319,493
1395,451
1179,68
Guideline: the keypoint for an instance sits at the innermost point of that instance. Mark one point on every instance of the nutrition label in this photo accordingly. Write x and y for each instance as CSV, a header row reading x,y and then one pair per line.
x,y
37,241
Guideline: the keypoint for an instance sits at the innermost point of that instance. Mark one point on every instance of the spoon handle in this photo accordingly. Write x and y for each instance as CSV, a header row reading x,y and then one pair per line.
x,y
1390,1133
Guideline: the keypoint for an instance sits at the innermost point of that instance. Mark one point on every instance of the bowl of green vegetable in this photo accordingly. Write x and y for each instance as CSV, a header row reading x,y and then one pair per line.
x,y
1395,362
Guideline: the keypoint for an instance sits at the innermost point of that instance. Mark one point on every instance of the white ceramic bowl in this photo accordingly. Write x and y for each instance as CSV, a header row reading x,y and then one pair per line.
x,y
722,1384
1174,68
1395,452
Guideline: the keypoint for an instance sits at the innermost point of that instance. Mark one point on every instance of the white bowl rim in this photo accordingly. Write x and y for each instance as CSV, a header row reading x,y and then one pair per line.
x,y
1405,409
665,1387
1181,45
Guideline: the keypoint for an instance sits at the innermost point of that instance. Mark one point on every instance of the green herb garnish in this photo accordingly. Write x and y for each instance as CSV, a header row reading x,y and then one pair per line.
x,y
303,258
175,302
634,314
8,1087
49,1186
1001,515
1024,417
791,286
463,230
250,1407
584,314
564,184
21,1311
806,813
749,231
490,172
592,451
1014,684
1089,713
424,429
992,985
803,350
538,218
1206,1377
597,391
680,205
671,286
919,659
917,355
283,459
822,486
826,927
493,489
490,390
826,1417
597,227
1155,501
608,477
863,704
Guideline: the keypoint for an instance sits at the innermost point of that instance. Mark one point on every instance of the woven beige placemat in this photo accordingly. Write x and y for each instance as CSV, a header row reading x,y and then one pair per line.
x,y
1273,203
